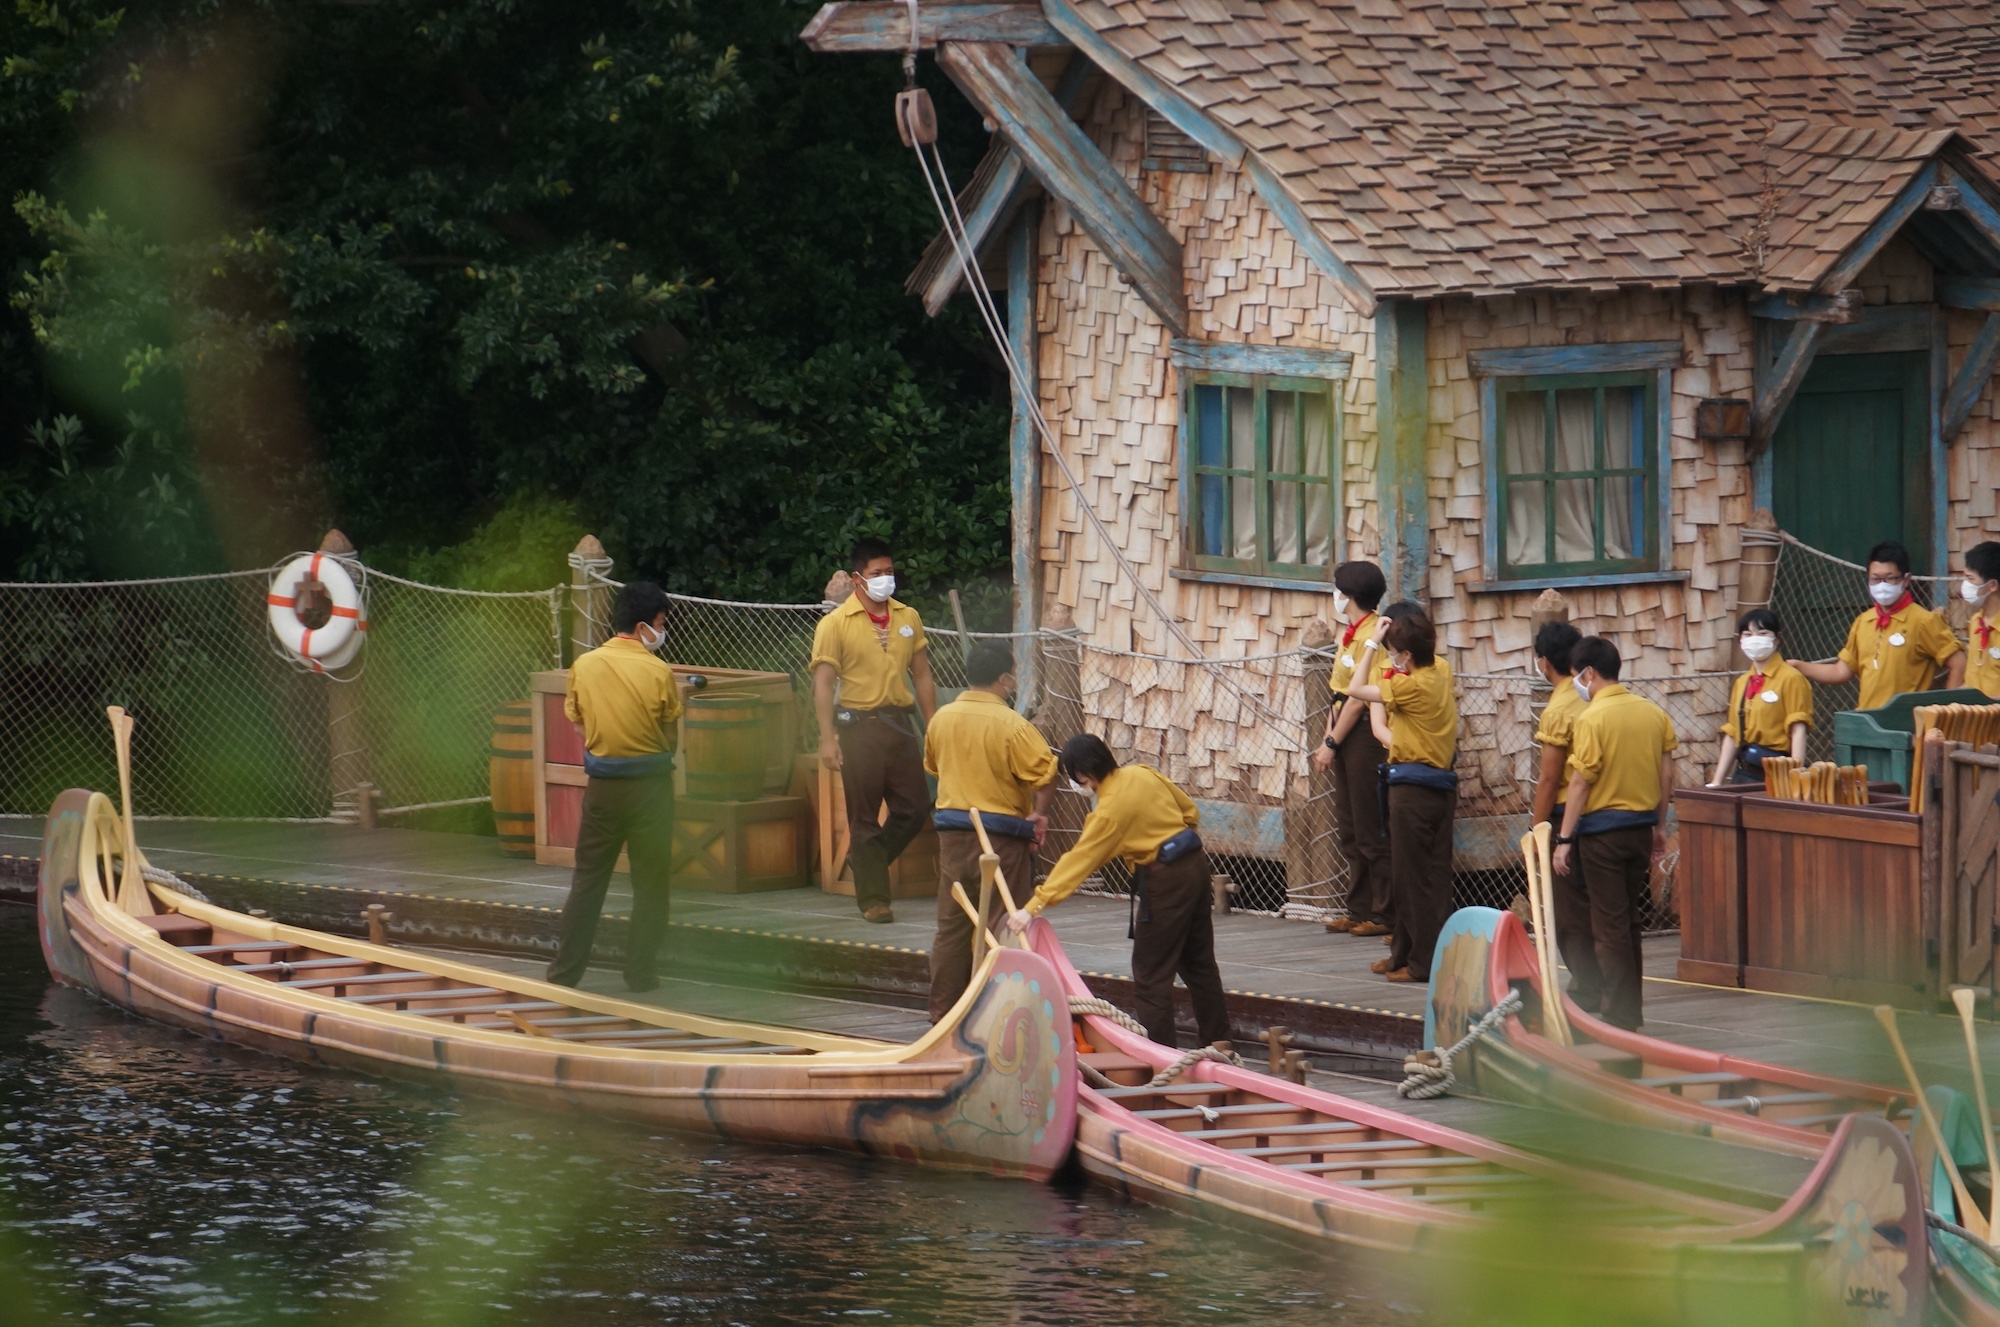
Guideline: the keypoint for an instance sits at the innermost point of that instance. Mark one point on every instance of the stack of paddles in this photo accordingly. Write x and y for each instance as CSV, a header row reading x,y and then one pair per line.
x,y
1823,781
1975,725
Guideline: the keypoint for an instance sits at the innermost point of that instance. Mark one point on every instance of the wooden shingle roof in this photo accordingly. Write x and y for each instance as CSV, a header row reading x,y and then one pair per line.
x,y
1483,146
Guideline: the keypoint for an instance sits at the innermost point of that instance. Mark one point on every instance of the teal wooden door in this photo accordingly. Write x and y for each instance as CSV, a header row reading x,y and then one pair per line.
x,y
1849,460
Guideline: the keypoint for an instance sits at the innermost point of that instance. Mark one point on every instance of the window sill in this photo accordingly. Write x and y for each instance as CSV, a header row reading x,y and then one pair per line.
x,y
1579,582
1245,578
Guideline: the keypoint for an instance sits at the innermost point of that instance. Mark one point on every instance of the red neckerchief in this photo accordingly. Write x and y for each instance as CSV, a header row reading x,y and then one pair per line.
x,y
1352,627
1395,672
1755,686
1884,616
881,621
1985,630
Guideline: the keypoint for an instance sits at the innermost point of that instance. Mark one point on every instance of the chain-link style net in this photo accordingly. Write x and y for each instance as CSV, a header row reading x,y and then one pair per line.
x,y
227,727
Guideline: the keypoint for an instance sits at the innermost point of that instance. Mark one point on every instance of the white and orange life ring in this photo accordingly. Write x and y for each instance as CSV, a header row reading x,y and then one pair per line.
x,y
333,645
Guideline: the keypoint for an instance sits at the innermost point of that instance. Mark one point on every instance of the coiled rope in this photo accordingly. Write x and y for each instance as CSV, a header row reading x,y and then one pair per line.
x,y
1087,1004
1430,1072
153,875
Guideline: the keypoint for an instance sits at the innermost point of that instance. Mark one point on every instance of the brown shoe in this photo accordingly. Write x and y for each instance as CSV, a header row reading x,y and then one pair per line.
x,y
881,912
1401,974
1368,928
1340,925
1379,966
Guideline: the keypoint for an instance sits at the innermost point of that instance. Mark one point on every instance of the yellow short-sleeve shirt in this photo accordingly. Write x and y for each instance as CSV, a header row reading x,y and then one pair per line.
x,y
1138,808
1559,715
1347,654
1785,698
873,665
1982,663
625,697
1616,744
1423,715
1904,656
985,755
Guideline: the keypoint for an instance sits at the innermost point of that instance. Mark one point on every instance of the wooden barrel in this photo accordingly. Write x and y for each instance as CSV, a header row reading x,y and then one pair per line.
x,y
510,775
725,746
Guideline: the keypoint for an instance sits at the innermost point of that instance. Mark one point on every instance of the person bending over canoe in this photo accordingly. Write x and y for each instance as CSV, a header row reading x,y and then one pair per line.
x,y
626,701
1142,817
986,756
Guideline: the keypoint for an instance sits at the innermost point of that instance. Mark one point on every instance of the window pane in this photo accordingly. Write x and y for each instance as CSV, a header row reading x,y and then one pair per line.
x,y
1527,422
1286,543
1313,435
1575,521
1211,438
1527,522
1242,428
1576,432
1243,516
1284,408
1213,536
1319,525
1623,518
1317,446
1621,430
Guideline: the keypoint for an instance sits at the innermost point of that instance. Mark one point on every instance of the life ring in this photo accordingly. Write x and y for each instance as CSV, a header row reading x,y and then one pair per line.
x,y
319,646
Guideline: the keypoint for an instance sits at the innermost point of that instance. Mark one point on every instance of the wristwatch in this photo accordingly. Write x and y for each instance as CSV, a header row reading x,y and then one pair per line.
x,y
1331,745
1560,841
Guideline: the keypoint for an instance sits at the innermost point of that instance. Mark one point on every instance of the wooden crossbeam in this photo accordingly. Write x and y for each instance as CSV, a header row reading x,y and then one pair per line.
x,y
998,81
1975,208
1969,292
1862,251
847,27
1970,382
1781,384
1841,307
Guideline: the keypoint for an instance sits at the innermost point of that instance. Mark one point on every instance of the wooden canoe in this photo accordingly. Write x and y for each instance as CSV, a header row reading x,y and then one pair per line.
x,y
992,1087
1964,1281
1234,1145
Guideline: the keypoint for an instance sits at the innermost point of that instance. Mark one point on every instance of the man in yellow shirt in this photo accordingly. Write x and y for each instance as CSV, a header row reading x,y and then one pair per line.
x,y
1553,642
625,699
1414,711
872,648
1894,647
1770,707
1143,818
984,755
1349,749
1621,774
1981,588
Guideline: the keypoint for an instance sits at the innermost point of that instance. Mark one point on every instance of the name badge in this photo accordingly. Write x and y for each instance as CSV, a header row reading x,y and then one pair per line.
x,y
906,632
1769,697
1993,652
1347,660
1896,639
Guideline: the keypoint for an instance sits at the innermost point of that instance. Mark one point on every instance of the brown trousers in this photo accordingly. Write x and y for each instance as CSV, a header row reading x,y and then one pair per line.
x,y
881,761
951,948
1173,931
1617,870
619,813
1420,869
1357,821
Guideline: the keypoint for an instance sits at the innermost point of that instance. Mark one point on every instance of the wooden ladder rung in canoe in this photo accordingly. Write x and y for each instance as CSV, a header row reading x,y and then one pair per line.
x,y
1752,1105
681,1040
1170,1090
581,1020
1691,1080
1498,1180
1387,1163
1274,1131
1297,1149
1164,1113
244,946
393,997
314,963
371,979
463,1010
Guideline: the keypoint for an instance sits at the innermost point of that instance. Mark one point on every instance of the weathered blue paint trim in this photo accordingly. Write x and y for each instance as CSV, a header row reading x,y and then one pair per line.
x,y
1258,582
1776,387
1537,361
1271,361
1402,412
998,81
1969,292
1974,206
1024,451
1489,456
850,26
1973,376
1880,330
1168,100
1940,456
1578,582
1271,188
1808,308
1237,829
1841,275
1663,467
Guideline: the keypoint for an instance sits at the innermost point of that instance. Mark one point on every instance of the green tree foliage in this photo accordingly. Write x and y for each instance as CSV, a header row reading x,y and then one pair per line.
x,y
409,269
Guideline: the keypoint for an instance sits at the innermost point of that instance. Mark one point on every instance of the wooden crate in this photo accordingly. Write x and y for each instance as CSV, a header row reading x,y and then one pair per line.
x,y
1833,900
1710,881
912,875
742,847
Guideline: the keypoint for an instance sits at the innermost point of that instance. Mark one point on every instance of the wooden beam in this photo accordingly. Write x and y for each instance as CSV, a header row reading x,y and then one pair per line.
x,y
1777,387
1969,292
1402,413
1272,361
1024,447
1162,96
1271,188
1070,166
1975,208
849,26
1609,357
1841,307
1969,383
1862,251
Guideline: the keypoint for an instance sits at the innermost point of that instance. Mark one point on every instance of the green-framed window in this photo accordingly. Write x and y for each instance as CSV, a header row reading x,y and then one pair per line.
x,y
1578,466
1263,496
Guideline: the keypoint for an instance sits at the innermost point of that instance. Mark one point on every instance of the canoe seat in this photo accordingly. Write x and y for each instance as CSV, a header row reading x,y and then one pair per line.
x,y
1205,1112
244,947
366,979
1276,1131
184,932
582,1020
1442,1182
1111,1064
1170,1090
1333,1149
1609,1058
391,997
462,1010
1389,1163
1675,1082
1751,1105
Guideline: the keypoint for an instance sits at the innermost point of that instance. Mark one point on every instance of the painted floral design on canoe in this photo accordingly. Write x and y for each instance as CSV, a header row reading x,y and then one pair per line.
x,y
1860,1215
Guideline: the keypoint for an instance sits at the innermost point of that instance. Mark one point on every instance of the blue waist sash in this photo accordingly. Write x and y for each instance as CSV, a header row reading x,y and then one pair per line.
x,y
1603,822
1011,827
628,767
1420,774
1179,846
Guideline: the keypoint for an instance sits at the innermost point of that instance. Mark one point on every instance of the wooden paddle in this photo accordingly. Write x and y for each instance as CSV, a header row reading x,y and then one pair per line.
x,y
1536,854
132,895
986,854
1969,1216
1965,997
978,931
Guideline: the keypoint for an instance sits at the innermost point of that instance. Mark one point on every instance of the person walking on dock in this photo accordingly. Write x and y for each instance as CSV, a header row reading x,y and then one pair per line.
x,y
984,755
1894,647
1621,773
873,649
1349,748
1414,711
1142,817
625,699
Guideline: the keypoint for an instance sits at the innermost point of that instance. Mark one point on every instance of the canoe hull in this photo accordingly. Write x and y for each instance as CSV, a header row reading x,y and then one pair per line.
x,y
993,1089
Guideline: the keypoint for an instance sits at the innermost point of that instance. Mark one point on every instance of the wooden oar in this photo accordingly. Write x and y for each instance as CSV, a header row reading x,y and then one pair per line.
x,y
1965,997
132,883
1969,1216
1535,849
978,930
986,854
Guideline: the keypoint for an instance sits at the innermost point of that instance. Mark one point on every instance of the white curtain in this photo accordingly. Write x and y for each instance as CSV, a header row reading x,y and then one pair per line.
x,y
1527,425
1283,413
1621,452
1576,449
1315,441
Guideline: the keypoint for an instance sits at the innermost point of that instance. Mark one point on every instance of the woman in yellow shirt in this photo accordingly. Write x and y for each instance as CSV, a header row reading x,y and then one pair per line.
x,y
1415,713
1770,707
1981,589
1143,818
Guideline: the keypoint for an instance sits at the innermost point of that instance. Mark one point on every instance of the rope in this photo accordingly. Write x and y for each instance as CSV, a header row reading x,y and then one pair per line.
x,y
1090,1004
1937,1222
1190,1058
1433,1077
153,875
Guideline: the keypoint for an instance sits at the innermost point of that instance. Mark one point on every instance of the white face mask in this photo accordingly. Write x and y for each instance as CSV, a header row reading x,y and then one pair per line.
x,y
1582,687
879,588
1340,602
645,629
1885,594
1971,593
1759,648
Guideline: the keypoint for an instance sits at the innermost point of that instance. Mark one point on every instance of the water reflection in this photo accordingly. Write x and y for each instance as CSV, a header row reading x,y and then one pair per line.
x,y
150,1177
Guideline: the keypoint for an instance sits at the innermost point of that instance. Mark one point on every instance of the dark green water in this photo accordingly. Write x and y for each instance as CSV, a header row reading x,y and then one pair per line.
x,y
147,1176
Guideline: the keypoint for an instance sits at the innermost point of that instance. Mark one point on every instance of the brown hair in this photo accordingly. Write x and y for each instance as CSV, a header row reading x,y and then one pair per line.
x,y
1414,634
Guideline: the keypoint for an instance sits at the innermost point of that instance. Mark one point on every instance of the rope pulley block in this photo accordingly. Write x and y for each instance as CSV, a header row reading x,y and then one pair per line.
x,y
316,612
916,117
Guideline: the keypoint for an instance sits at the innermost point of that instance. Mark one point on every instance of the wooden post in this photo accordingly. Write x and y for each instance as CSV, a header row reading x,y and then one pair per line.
x,y
1309,836
1930,885
1060,716
346,737
589,596
1024,449
1402,414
